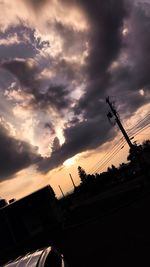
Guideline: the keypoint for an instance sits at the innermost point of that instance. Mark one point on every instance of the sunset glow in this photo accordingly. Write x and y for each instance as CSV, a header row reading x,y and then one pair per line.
x,y
59,60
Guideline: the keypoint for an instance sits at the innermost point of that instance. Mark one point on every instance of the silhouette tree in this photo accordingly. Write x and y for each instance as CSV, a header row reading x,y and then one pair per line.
x,y
56,144
82,174
146,144
146,154
132,156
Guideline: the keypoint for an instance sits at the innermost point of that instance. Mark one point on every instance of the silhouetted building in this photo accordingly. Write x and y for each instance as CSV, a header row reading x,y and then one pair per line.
x,y
32,217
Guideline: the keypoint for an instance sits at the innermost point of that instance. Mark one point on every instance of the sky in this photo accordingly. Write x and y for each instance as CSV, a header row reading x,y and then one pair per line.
x,y
59,60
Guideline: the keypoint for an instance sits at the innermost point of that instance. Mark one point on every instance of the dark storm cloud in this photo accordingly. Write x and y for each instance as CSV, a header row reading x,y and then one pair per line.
x,y
106,21
106,43
93,101
25,73
138,45
55,96
20,42
81,137
15,154
89,127
68,71
74,41
133,75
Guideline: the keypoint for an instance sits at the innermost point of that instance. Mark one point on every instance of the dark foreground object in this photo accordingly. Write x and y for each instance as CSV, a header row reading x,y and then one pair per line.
x,y
39,258
121,237
113,232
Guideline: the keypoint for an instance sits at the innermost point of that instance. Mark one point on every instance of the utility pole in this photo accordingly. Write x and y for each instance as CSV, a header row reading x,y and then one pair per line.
x,y
72,181
134,149
61,191
114,112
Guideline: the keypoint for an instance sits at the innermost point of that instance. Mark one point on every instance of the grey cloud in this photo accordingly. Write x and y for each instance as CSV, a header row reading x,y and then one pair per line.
x,y
133,75
56,92
106,45
74,41
68,71
15,154
92,102
25,73
138,45
16,50
25,46
81,137
55,95
106,19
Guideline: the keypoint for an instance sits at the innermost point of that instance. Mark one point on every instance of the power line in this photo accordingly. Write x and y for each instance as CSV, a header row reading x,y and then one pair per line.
x,y
117,146
104,164
105,156
139,129
138,125
111,156
108,154
114,154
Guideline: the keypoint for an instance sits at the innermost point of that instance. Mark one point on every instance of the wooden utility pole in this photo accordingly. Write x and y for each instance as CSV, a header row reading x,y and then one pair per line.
x,y
72,181
61,191
114,113
133,148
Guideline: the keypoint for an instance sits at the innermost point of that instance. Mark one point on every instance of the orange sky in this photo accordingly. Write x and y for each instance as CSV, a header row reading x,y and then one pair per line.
x,y
58,62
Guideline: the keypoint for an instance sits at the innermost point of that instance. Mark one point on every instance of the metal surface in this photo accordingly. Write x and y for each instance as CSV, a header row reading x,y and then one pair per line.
x,y
38,259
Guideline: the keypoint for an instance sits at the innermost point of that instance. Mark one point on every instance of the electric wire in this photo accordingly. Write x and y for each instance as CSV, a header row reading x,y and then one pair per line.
x,y
116,148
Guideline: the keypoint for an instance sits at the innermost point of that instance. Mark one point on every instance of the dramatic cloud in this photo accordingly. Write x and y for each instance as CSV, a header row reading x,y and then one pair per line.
x,y
132,73
81,137
15,154
18,42
107,45
106,21
71,39
55,96
25,72
60,59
